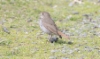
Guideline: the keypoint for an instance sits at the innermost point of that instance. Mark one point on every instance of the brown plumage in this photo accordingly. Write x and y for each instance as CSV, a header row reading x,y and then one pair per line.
x,y
48,25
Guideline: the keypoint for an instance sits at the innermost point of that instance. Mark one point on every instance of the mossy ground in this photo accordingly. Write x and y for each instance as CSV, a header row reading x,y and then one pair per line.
x,y
20,17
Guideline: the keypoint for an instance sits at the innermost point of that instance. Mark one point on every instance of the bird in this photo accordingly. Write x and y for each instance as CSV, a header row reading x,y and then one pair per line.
x,y
48,26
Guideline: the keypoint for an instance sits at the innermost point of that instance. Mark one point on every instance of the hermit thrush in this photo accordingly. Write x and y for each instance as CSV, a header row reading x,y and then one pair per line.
x,y
48,25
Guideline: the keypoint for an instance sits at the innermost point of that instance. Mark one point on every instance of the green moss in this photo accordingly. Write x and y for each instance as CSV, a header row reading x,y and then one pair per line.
x,y
22,42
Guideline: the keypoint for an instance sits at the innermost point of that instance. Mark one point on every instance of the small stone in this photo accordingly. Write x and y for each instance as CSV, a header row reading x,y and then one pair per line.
x,y
88,49
71,4
99,51
64,58
75,13
69,17
70,42
55,6
52,57
64,51
53,51
29,20
86,15
26,32
99,26
5,30
98,1
71,51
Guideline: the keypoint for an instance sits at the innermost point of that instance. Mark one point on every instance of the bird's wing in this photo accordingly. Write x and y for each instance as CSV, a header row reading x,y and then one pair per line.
x,y
51,26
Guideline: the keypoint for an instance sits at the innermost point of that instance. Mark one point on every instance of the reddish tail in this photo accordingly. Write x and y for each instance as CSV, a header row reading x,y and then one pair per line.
x,y
63,35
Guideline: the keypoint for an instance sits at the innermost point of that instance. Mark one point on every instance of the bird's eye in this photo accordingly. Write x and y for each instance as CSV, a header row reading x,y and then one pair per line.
x,y
42,13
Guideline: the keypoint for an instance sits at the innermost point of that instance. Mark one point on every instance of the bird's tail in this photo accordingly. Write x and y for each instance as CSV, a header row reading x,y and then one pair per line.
x,y
63,35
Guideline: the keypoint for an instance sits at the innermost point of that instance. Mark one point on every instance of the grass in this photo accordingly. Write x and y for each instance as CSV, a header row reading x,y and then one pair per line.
x,y
22,42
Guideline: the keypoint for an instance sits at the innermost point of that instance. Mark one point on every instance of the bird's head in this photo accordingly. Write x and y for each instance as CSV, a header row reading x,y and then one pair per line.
x,y
44,15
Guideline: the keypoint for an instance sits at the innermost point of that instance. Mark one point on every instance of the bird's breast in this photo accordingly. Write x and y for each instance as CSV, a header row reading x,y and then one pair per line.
x,y
43,27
